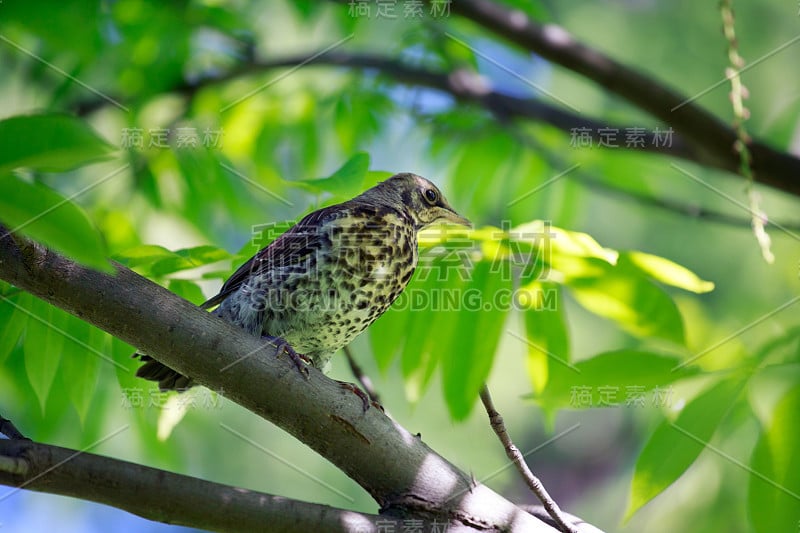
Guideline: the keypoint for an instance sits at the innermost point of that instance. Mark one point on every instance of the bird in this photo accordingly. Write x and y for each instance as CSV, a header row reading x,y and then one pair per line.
x,y
324,281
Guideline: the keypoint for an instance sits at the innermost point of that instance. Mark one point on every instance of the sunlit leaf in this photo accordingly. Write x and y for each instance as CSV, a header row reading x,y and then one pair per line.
x,y
175,408
674,446
545,329
44,215
49,143
774,490
635,303
666,271
118,229
562,242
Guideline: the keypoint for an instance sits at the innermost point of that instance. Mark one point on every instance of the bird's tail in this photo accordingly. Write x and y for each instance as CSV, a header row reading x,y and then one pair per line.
x,y
167,378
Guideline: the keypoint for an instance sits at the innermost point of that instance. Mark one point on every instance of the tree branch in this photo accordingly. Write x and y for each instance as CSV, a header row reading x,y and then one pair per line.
x,y
691,142
533,482
698,126
167,497
401,473
668,204
467,86
8,429
361,377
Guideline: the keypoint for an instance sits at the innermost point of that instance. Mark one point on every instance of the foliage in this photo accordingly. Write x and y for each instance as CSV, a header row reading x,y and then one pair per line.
x,y
166,173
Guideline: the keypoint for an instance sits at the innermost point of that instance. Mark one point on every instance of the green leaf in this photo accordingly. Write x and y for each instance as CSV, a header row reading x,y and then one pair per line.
x,y
144,254
774,491
13,321
346,182
562,242
431,323
468,356
211,188
83,353
158,261
44,215
44,339
486,161
188,290
610,379
373,177
50,143
387,334
125,368
460,56
635,303
665,271
189,258
674,446
545,329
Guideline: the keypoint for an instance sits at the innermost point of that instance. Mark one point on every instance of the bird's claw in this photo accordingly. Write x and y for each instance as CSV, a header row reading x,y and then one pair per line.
x,y
365,399
282,346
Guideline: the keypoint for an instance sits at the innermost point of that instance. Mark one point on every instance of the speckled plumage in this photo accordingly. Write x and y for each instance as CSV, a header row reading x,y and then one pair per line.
x,y
325,280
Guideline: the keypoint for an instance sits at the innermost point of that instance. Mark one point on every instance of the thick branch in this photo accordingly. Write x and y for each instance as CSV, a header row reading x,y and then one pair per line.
x,y
395,467
166,497
697,125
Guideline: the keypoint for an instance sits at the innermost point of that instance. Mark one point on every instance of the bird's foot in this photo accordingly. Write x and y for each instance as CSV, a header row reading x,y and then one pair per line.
x,y
365,400
282,346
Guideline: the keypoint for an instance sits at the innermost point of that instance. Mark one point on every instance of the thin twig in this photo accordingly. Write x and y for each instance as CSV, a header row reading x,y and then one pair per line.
x,y
740,114
363,379
8,429
541,513
516,457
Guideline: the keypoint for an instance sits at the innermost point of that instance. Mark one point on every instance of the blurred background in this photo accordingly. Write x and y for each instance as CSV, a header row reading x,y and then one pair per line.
x,y
218,124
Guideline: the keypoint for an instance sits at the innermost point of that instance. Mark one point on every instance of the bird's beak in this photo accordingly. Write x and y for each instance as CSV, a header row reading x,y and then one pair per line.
x,y
451,216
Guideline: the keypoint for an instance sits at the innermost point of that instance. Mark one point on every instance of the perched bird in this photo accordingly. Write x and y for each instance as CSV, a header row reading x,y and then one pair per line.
x,y
320,284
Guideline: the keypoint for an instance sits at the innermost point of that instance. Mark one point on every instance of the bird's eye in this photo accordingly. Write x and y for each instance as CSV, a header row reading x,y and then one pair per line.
x,y
431,196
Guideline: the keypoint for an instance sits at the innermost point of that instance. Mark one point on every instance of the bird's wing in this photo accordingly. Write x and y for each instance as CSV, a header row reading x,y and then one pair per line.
x,y
293,247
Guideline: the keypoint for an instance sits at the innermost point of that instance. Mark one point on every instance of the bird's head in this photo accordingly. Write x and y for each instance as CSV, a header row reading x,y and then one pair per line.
x,y
419,198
